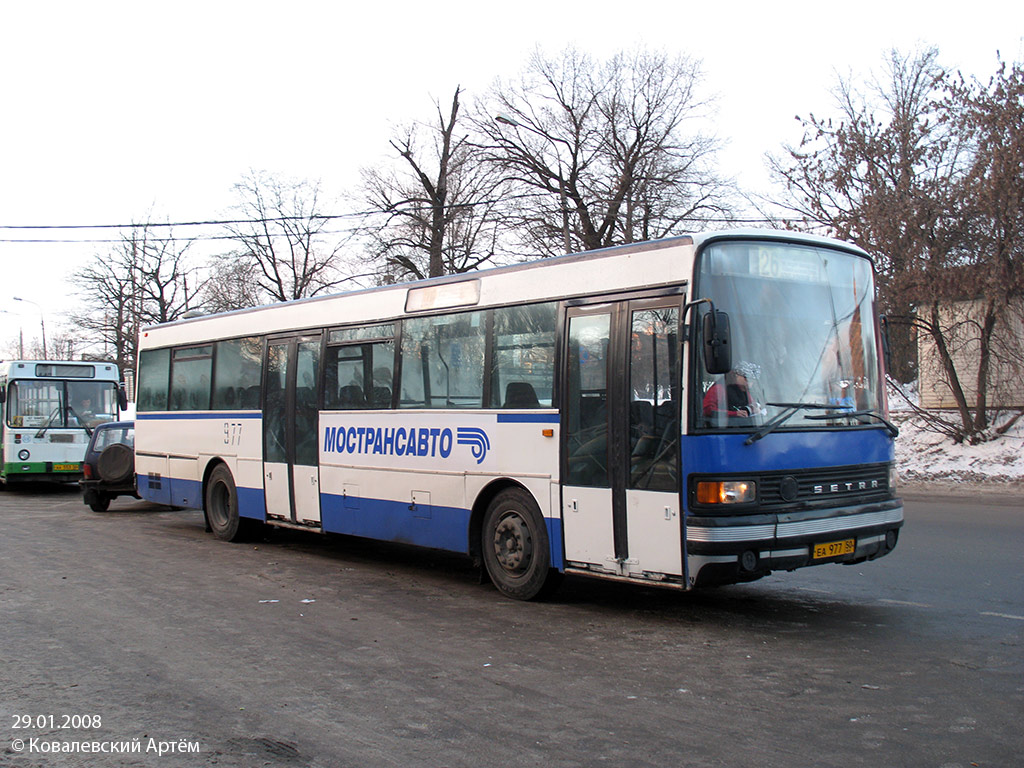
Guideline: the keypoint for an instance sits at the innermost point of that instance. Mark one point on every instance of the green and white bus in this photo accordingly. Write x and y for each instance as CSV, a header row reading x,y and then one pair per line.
x,y
48,409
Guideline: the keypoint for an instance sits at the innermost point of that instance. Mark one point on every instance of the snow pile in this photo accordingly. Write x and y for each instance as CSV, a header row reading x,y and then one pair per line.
x,y
923,456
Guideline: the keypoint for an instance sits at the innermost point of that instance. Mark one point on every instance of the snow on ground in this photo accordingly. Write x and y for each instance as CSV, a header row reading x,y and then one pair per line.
x,y
924,456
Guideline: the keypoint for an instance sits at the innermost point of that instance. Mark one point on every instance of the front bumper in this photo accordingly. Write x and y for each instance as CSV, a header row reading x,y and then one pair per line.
x,y
728,549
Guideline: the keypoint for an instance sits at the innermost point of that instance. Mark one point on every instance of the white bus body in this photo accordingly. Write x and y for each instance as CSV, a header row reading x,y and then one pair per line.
x,y
546,448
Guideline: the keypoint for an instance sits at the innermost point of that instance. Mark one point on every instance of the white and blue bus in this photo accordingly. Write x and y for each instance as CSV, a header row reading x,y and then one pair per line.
x,y
48,409
693,411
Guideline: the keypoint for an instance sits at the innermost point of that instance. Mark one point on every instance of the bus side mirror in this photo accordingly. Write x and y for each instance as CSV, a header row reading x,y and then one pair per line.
x,y
122,398
3,395
717,349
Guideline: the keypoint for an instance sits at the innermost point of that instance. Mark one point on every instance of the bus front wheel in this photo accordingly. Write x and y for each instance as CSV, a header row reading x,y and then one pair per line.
x,y
222,505
515,546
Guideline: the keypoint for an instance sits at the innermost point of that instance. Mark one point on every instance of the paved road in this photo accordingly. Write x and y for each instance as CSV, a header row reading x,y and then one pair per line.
x,y
302,650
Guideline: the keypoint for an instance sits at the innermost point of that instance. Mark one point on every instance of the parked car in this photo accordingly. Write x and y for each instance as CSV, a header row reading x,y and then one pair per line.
x,y
109,467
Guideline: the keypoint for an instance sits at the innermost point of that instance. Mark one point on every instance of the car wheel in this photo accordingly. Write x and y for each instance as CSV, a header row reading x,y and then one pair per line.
x,y
98,501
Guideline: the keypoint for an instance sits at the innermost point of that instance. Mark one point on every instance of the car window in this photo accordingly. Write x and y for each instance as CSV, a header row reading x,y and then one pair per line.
x,y
107,437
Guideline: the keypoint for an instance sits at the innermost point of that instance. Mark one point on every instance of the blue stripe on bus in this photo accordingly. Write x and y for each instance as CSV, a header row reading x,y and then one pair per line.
x,y
178,492
528,418
503,418
183,415
446,527
431,525
792,451
252,503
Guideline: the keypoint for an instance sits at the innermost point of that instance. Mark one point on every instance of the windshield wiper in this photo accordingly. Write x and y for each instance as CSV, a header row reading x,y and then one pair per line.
x,y
80,420
789,410
861,416
49,422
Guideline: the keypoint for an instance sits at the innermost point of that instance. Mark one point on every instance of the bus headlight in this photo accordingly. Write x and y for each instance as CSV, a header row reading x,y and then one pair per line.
x,y
23,454
726,491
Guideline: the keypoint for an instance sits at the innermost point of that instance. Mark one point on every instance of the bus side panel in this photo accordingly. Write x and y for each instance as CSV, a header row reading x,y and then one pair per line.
x,y
153,481
365,509
186,488
412,476
176,477
252,501
556,533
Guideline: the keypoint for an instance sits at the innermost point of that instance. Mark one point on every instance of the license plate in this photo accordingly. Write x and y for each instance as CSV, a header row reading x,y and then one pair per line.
x,y
66,467
833,549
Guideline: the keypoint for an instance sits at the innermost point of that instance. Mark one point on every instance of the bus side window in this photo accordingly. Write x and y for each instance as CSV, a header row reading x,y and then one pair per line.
x,y
443,361
359,376
154,378
523,355
237,374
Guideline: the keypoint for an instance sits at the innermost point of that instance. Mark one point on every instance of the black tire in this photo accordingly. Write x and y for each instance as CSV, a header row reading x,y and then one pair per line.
x,y
222,505
116,464
99,502
515,546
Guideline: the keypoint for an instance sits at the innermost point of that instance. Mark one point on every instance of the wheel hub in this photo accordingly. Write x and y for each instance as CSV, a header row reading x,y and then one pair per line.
x,y
513,545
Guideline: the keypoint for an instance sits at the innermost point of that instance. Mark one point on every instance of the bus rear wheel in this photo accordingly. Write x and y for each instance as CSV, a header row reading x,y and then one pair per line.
x,y
515,546
222,505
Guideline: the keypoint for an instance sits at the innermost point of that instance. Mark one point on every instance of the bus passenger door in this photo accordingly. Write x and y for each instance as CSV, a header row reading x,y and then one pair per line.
x,y
291,472
621,480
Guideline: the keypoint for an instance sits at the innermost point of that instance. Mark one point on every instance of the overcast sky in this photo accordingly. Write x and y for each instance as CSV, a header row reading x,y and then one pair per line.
x,y
114,112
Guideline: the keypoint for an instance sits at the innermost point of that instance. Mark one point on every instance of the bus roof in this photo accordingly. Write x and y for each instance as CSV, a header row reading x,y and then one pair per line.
x,y
59,369
608,270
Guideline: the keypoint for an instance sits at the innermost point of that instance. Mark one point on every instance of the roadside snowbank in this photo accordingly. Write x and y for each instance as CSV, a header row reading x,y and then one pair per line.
x,y
925,457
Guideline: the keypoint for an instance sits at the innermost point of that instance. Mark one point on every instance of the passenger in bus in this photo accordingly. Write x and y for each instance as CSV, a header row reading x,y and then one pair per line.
x,y
732,397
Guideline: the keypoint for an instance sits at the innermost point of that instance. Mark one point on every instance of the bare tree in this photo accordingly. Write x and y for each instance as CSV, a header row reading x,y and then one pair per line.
x,y
883,174
285,238
433,214
991,118
924,173
233,284
602,153
145,279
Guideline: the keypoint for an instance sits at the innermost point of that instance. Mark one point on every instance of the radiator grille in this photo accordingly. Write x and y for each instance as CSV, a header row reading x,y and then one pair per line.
x,y
834,483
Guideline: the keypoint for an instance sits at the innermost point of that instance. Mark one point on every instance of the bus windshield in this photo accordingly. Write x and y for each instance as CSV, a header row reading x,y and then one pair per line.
x,y
56,404
803,340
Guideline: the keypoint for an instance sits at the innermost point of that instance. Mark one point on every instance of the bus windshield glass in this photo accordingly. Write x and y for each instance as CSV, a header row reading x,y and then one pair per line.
x,y
802,335
56,404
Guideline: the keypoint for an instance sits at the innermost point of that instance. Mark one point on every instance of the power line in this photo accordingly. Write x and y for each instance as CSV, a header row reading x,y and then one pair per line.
x,y
145,226
168,224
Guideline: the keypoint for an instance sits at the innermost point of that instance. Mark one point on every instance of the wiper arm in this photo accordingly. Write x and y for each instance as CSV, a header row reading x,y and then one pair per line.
x,y
789,410
80,420
860,416
49,422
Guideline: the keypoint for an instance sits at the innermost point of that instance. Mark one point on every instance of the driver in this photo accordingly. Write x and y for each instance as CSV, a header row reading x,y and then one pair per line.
x,y
732,397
